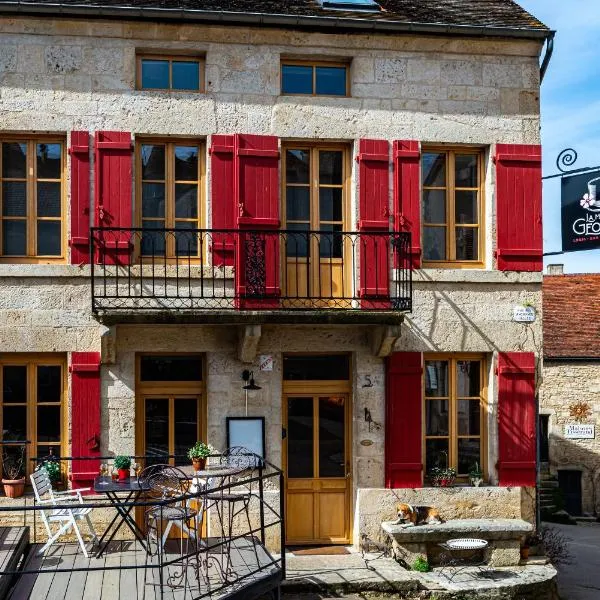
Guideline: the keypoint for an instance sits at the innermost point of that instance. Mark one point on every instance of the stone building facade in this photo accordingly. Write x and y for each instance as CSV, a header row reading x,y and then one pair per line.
x,y
449,92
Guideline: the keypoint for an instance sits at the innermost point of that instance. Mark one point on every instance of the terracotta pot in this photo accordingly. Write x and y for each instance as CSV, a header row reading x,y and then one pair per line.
x,y
525,553
199,464
14,488
123,474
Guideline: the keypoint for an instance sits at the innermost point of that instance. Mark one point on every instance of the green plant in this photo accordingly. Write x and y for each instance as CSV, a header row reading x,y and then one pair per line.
x,y
13,460
122,462
52,467
475,471
200,450
421,565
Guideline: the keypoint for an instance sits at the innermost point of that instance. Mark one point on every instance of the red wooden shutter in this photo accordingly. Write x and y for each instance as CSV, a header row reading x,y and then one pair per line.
x,y
407,195
85,416
222,198
112,192
79,239
256,190
374,197
516,419
519,207
403,437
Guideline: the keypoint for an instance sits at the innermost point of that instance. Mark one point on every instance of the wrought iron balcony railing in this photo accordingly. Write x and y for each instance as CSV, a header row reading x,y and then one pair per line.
x,y
202,270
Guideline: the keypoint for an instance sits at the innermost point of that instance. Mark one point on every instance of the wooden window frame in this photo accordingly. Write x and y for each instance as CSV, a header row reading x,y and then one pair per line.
x,y
450,225
453,399
31,219
314,64
32,361
170,58
170,183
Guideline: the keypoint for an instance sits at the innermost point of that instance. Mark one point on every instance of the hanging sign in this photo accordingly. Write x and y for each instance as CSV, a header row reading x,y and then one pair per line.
x,y
579,431
580,214
265,362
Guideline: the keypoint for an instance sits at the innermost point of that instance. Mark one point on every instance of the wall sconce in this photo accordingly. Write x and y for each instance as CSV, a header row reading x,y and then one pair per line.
x,y
248,378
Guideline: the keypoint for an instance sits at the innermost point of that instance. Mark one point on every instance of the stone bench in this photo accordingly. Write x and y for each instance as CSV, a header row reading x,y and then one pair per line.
x,y
504,537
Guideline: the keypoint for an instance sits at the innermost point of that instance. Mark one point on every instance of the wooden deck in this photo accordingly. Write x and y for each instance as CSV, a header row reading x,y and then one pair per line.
x,y
13,543
109,579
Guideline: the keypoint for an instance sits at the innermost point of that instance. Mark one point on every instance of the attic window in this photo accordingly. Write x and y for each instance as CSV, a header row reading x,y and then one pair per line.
x,y
369,5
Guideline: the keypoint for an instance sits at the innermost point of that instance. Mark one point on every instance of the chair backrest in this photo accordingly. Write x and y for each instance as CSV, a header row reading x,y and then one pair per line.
x,y
162,482
241,458
40,481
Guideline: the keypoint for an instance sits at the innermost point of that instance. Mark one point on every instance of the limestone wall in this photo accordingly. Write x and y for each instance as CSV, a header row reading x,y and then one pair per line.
x,y
565,383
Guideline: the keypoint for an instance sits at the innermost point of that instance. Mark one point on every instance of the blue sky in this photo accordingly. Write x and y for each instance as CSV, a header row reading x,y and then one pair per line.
x,y
570,109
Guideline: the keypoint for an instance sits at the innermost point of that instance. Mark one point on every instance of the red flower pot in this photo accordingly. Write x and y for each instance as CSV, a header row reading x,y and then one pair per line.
x,y
123,474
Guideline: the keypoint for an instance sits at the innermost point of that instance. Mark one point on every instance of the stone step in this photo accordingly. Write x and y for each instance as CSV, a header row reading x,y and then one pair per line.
x,y
548,484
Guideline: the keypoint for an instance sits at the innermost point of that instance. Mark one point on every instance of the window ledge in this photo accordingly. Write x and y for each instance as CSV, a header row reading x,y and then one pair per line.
x,y
474,276
40,270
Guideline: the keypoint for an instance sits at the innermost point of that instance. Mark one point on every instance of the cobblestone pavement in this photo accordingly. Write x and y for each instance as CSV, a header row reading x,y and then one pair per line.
x,y
581,579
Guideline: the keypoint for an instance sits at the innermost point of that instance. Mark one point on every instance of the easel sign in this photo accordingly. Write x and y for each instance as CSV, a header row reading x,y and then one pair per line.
x,y
247,432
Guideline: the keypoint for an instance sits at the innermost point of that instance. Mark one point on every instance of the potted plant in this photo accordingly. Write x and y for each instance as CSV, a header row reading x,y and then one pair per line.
x,y
13,473
476,475
198,454
122,464
53,469
442,477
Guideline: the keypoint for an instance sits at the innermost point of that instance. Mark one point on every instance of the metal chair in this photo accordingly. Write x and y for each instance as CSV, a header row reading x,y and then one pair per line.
x,y
67,518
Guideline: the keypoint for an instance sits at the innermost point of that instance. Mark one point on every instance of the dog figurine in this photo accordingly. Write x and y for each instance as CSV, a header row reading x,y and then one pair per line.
x,y
417,515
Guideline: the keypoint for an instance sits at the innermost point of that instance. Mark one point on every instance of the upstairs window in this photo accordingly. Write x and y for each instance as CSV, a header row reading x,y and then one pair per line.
x,y
31,199
452,207
170,73
314,78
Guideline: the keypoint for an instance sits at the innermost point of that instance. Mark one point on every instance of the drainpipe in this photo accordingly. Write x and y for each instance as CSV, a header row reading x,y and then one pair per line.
x,y
547,55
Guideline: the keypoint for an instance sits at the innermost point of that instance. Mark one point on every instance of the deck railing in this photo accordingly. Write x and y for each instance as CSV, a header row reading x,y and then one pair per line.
x,y
202,269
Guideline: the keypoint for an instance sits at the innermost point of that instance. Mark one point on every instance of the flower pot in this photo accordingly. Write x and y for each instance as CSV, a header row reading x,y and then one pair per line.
x,y
476,481
199,464
14,488
123,474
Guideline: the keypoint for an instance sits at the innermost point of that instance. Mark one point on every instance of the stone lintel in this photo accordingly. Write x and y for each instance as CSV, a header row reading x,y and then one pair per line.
x,y
108,346
249,336
383,338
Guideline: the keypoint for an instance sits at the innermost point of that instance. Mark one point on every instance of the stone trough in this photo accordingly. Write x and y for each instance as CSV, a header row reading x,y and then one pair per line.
x,y
504,537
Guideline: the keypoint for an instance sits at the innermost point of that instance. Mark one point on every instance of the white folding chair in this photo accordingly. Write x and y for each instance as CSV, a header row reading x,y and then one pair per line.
x,y
66,518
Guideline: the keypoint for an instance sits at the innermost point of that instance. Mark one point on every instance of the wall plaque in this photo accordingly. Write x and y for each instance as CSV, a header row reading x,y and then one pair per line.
x,y
524,314
580,431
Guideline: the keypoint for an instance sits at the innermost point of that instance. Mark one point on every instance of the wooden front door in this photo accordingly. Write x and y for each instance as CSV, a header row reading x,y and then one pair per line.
x,y
318,467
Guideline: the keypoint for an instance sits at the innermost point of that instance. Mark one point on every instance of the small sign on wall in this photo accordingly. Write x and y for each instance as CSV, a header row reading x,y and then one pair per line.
x,y
265,362
579,431
524,314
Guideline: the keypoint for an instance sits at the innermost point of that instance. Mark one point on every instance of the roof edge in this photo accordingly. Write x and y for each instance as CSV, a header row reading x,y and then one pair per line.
x,y
572,358
59,9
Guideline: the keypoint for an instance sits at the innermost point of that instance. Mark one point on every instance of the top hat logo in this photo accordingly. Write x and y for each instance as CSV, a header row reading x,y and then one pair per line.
x,y
590,201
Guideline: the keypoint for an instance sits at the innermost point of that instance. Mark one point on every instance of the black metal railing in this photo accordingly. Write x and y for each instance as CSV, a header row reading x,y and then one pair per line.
x,y
202,269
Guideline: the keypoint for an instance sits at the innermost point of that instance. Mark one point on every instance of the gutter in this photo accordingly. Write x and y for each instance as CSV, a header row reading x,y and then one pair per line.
x,y
547,55
199,15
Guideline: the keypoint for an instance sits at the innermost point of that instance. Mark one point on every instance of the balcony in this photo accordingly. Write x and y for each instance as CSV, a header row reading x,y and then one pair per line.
x,y
245,276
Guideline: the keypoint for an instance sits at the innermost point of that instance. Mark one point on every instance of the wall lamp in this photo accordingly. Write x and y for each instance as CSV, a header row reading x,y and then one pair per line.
x,y
248,377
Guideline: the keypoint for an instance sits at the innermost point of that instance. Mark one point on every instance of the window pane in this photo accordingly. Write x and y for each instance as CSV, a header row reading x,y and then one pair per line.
x,y
330,204
332,458
186,75
14,384
331,245
466,207
48,199
296,79
434,206
437,417
157,430
14,238
466,243
187,242
14,160
297,166
300,437
465,170
153,200
49,384
469,453
153,162
186,201
155,74
48,423
153,243
316,368
297,203
436,454
171,368
331,81
14,423
468,417
436,379
331,167
297,243
186,163
14,199
468,378
434,169
434,243
48,238
185,428
48,161
48,450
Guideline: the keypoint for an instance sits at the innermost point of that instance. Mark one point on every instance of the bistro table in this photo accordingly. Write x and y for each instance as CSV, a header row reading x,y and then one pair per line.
x,y
122,495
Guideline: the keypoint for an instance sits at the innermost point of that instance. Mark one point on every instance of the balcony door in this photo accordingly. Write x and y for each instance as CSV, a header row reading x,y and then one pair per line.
x,y
315,200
